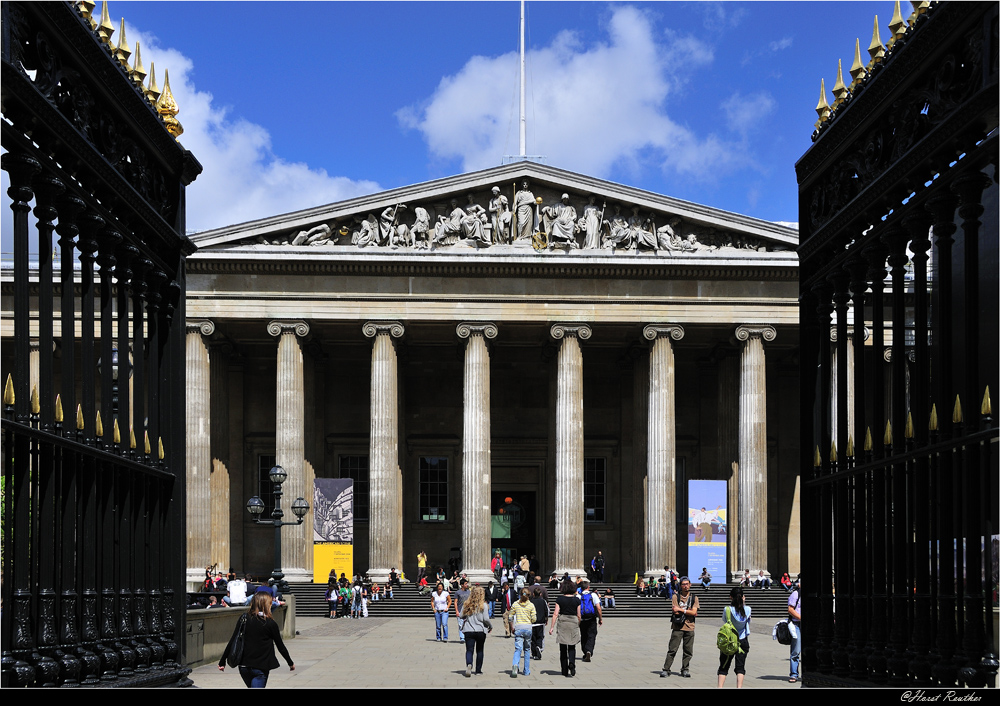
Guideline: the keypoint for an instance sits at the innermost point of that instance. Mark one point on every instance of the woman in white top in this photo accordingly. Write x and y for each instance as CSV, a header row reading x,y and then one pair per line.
x,y
441,604
738,613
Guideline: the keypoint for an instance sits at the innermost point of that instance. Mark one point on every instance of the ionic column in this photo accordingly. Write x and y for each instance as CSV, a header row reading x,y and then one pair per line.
x,y
34,364
385,528
290,448
569,449
476,468
199,454
753,447
661,491
219,483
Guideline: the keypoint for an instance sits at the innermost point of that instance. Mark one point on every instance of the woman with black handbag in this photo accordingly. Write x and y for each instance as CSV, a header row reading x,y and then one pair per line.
x,y
252,645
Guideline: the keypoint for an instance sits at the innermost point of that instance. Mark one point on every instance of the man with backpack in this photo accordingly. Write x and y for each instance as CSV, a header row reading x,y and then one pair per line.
x,y
684,610
590,617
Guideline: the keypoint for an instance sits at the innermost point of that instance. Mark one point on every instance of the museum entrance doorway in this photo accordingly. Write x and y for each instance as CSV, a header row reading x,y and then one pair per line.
x,y
513,524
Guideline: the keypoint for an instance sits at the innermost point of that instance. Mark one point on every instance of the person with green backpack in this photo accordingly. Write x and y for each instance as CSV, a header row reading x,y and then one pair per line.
x,y
733,640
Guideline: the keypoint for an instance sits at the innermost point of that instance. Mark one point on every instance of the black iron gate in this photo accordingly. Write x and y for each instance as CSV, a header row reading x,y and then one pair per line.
x,y
93,455
902,181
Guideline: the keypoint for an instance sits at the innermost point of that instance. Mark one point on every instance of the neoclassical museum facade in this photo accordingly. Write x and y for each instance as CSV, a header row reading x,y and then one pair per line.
x,y
568,349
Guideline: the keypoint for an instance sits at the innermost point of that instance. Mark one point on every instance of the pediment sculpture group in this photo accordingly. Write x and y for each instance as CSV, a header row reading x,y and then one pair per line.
x,y
529,222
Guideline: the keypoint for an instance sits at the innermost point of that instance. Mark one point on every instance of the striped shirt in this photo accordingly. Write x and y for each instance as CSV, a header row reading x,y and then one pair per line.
x,y
523,613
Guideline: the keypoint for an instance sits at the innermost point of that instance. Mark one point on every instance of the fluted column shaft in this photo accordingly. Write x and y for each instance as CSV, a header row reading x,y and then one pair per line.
x,y
753,447
569,449
199,454
219,483
289,447
385,538
661,475
476,457
729,453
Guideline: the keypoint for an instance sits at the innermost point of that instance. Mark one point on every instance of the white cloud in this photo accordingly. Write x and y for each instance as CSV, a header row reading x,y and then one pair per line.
x,y
242,178
744,113
590,108
782,43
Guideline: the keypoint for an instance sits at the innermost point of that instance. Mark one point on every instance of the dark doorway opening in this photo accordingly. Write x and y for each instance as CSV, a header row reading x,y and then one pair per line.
x,y
513,524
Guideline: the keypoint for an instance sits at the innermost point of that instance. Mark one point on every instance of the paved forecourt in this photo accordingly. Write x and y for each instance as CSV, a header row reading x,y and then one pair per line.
x,y
402,653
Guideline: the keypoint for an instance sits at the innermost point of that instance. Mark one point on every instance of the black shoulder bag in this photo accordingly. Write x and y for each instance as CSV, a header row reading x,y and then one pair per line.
x,y
234,650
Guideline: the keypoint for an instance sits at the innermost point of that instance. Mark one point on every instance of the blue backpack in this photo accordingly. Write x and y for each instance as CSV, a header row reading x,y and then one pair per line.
x,y
587,607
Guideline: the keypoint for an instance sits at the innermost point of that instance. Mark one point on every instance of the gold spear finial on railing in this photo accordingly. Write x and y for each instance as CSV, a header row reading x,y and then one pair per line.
x,y
868,439
822,108
153,91
833,452
875,50
116,435
138,72
146,449
850,446
817,459
86,8
124,51
100,426
858,70
131,437
839,89
986,409
908,429
887,437
59,410
8,392
36,406
159,447
105,29
933,424
79,417
166,106
897,25
956,412
919,8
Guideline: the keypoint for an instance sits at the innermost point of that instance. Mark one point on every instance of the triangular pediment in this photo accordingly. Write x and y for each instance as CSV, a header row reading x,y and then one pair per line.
x,y
559,211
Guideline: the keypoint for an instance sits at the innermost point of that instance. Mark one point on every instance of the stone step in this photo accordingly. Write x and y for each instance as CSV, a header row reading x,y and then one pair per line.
x,y
771,604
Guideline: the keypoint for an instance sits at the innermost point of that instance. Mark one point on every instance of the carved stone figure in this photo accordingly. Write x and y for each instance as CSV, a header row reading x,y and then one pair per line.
x,y
390,233
366,231
560,222
500,217
449,228
592,223
473,223
317,235
641,232
524,208
421,228
620,235
668,238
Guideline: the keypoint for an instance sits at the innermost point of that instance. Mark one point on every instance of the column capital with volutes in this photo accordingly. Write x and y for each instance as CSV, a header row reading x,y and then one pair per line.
x,y
487,329
654,331
205,327
850,333
371,329
299,328
765,331
580,331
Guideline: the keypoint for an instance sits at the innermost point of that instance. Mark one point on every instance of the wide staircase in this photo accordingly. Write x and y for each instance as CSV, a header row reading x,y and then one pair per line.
x,y
407,604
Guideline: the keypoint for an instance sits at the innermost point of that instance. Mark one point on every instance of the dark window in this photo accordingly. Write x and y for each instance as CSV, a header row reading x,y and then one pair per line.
x,y
265,488
356,468
594,489
433,488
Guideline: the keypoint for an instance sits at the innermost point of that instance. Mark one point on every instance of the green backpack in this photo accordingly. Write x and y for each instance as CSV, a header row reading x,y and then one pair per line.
x,y
728,640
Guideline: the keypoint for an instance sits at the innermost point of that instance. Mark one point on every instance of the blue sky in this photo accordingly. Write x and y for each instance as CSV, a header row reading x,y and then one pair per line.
x,y
295,104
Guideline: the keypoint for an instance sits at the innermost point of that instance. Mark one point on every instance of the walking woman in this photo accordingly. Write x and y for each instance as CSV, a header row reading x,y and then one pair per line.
x,y
522,617
738,613
474,622
566,619
260,635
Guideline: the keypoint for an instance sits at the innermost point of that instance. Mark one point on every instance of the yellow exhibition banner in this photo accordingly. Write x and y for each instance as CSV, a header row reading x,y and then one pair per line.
x,y
335,556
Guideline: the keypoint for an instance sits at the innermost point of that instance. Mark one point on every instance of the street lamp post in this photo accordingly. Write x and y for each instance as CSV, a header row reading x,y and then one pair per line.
x,y
300,507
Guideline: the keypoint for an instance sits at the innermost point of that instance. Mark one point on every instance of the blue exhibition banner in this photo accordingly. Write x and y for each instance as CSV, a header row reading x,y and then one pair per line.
x,y
707,529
